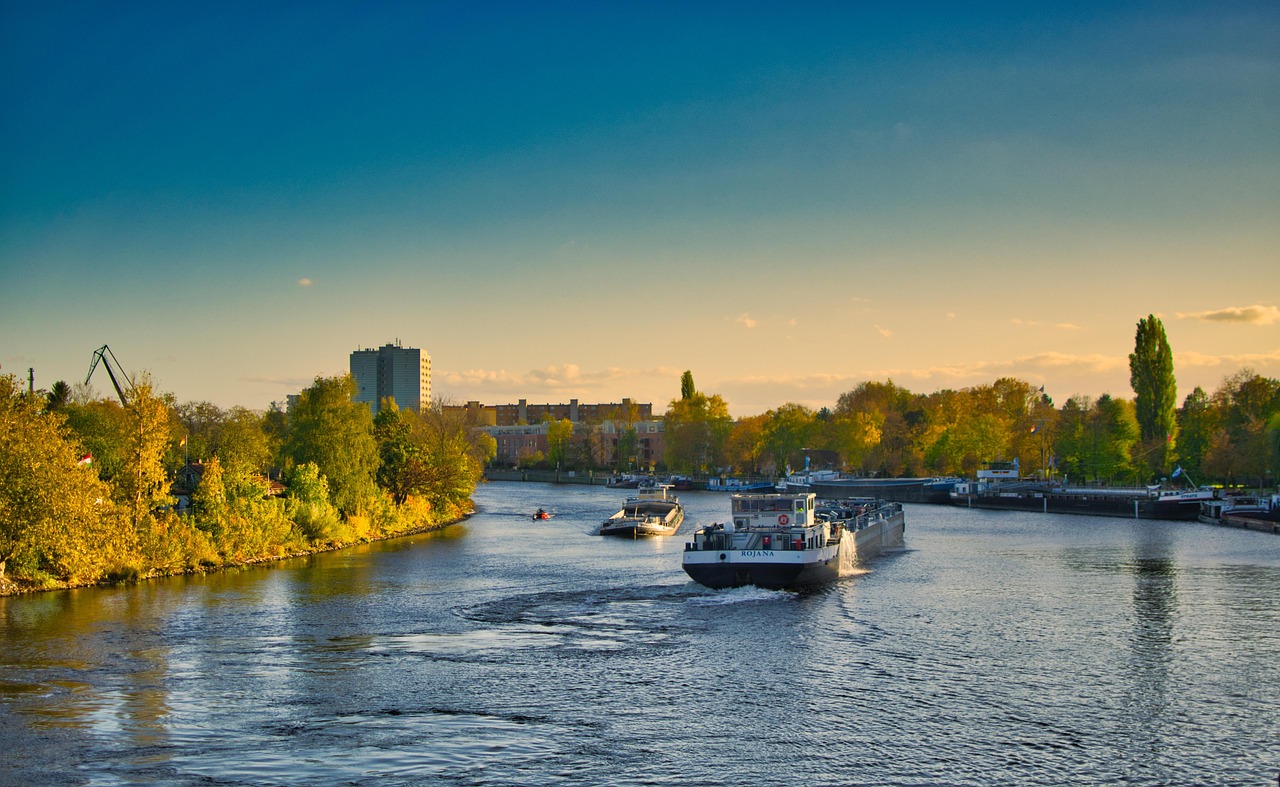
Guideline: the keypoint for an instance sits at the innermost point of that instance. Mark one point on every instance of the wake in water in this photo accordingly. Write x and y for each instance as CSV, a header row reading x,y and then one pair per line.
x,y
746,594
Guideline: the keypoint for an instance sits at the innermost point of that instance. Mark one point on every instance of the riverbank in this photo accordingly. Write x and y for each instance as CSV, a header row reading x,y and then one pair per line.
x,y
10,587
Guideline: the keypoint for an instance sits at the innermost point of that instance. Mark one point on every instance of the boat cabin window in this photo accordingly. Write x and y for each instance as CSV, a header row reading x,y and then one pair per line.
x,y
772,504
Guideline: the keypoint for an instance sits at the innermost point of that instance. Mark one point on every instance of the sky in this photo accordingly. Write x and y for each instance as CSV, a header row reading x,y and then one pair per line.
x,y
583,200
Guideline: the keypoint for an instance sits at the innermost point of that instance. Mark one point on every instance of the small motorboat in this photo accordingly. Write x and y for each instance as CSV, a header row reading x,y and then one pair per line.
x,y
541,514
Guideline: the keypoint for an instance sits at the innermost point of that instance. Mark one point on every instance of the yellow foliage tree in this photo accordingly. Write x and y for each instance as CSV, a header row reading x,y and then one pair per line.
x,y
56,517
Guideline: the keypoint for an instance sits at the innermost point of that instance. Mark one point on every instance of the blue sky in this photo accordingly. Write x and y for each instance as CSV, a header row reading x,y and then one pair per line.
x,y
583,200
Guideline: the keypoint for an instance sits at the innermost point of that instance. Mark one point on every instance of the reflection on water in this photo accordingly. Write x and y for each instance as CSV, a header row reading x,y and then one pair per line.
x,y
996,648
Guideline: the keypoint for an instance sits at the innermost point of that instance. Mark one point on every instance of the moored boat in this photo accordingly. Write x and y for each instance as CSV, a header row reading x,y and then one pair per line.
x,y
783,541
902,490
999,487
651,512
725,484
1256,512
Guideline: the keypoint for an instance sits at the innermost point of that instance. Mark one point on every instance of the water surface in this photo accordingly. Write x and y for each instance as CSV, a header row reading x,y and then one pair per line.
x,y
996,648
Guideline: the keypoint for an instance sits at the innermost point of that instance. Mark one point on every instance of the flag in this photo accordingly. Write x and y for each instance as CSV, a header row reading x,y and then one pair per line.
x,y
1034,428
87,459
183,442
1177,471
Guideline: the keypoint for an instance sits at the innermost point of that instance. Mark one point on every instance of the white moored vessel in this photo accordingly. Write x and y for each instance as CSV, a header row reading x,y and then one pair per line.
x,y
651,512
787,540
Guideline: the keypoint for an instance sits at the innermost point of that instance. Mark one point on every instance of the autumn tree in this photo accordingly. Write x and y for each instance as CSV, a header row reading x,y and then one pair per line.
x,y
559,433
696,429
864,417
454,455
143,483
744,448
56,515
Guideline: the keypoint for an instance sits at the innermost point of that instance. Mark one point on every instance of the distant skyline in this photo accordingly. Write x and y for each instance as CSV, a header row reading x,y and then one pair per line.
x,y
565,200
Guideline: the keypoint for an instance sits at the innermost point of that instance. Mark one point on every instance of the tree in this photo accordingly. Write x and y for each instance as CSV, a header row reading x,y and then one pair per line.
x,y
1112,432
143,482
103,428
696,429
1241,449
628,443
335,433
454,456
200,424
243,447
559,433
687,389
1196,423
56,515
1156,390
788,430
744,448
403,471
59,395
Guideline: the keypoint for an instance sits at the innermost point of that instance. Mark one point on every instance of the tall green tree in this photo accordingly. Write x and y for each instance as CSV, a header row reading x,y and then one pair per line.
x,y
402,471
687,389
59,395
1156,391
328,428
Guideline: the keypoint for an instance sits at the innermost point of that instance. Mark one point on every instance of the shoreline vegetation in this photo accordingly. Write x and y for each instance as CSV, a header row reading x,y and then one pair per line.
x,y
9,587
96,491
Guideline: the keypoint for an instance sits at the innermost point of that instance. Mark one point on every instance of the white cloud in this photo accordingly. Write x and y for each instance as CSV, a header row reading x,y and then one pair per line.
x,y
561,382
1233,362
745,319
304,282
885,332
1067,326
1251,315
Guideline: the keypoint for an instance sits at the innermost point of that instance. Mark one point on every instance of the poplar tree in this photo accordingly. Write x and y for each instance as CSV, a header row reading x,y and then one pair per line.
x,y
1156,390
687,390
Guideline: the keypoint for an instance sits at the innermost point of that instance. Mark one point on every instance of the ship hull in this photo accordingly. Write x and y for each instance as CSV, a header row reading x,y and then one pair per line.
x,y
901,490
792,569
1100,504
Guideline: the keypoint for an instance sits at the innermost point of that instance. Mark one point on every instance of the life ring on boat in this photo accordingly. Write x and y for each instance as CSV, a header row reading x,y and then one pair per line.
x,y
782,519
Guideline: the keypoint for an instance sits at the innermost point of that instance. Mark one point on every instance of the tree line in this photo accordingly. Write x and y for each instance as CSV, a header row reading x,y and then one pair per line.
x,y
1229,437
87,485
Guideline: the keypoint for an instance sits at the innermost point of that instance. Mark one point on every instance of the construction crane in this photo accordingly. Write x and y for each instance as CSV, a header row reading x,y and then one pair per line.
x,y
104,356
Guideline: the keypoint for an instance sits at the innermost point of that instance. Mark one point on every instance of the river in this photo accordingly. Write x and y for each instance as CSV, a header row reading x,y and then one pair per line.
x,y
994,648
